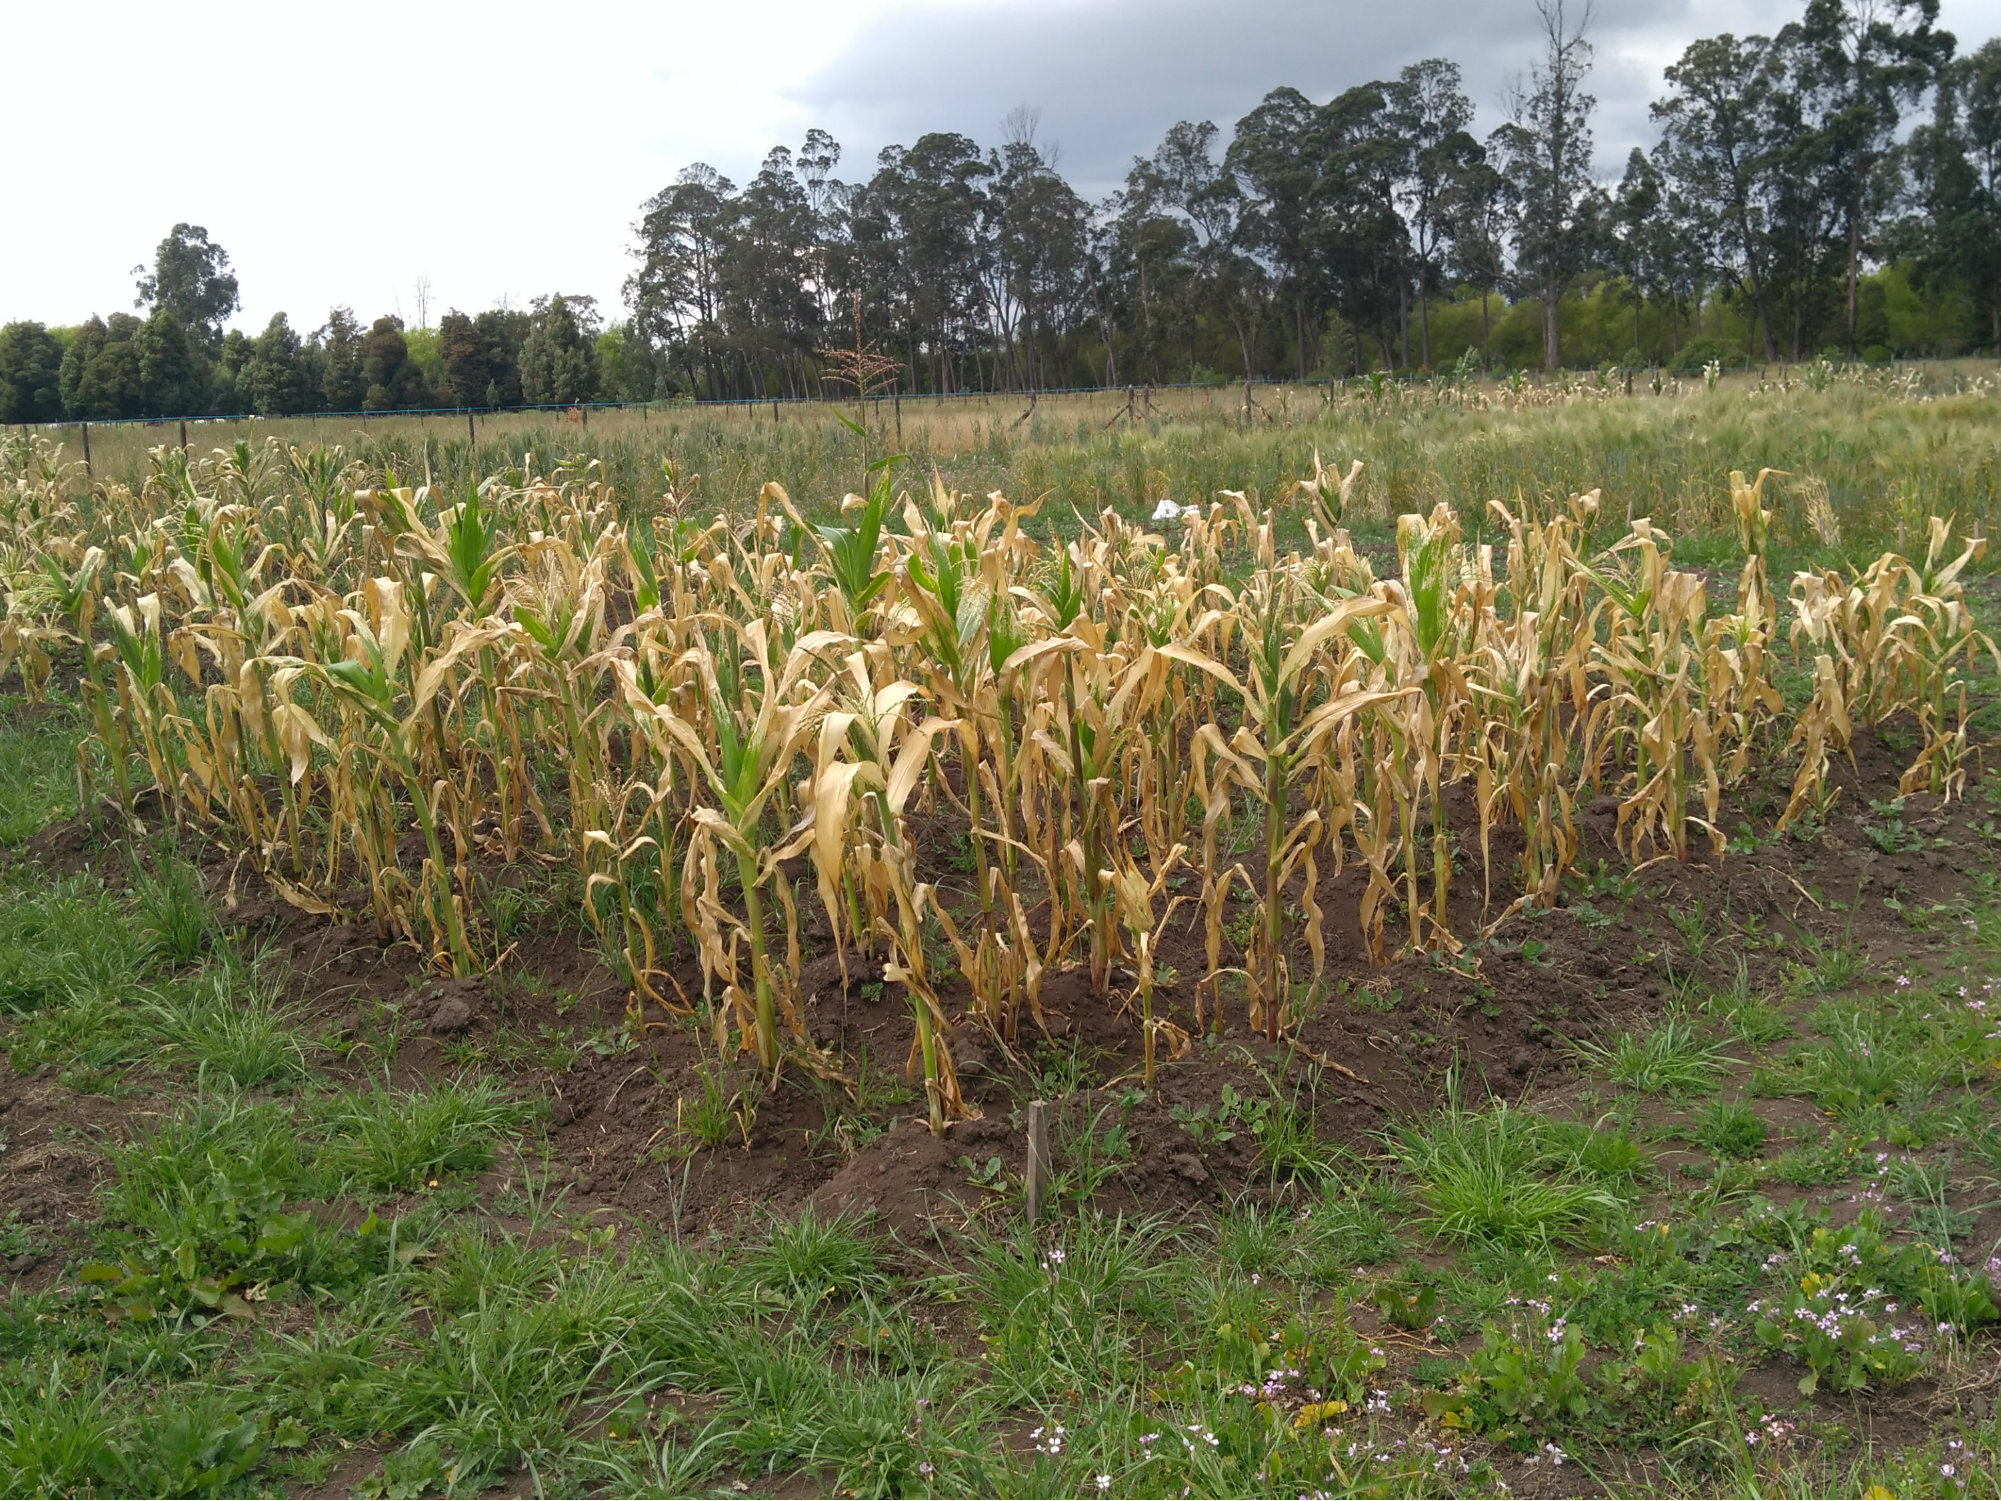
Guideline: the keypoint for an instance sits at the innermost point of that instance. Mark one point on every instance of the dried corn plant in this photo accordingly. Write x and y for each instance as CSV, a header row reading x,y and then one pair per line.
x,y
983,751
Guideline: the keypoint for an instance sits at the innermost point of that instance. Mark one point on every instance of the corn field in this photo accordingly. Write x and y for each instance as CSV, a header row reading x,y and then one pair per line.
x,y
379,698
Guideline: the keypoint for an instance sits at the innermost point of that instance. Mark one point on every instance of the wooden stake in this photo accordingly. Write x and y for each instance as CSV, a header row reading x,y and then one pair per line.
x,y
86,446
472,434
1038,1158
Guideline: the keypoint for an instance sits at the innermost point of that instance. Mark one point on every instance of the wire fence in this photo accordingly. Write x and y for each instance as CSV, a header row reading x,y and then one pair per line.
x,y
1372,380
124,447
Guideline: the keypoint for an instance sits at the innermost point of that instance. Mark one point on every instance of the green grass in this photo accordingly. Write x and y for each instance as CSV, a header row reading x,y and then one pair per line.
x,y
172,910
809,1258
1506,1176
37,767
390,1139
63,938
233,1026
1731,1129
1673,1058
1751,1018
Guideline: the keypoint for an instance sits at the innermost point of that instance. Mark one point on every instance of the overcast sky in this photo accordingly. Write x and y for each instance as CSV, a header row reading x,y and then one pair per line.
x,y
340,153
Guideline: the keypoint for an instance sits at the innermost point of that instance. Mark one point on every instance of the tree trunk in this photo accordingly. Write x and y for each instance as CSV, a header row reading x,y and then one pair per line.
x,y
1854,275
1423,323
1552,329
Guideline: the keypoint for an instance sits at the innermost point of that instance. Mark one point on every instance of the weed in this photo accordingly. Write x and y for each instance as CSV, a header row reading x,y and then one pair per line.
x,y
1254,1240
1598,881
1752,1018
247,1040
201,1204
1692,924
173,911
1844,1339
1824,968
1404,1305
64,939
1089,1154
1815,1164
389,1139
1289,1144
1500,1175
719,1114
1670,1059
810,1258
1731,1129
1888,834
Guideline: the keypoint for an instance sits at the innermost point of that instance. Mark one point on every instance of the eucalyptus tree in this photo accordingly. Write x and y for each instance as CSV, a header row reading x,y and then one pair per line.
x,y
1719,152
1635,218
1361,240
1865,61
686,232
190,278
913,251
770,315
1478,209
1272,159
1952,229
1186,180
1427,114
1545,147
1037,232
1803,196
1148,258
819,154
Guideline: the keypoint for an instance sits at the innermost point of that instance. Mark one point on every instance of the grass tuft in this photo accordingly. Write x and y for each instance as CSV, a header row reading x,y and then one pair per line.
x,y
391,1140
1672,1059
1503,1175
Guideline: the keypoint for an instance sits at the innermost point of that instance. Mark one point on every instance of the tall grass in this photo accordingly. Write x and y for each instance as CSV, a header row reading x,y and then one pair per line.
x,y
1889,452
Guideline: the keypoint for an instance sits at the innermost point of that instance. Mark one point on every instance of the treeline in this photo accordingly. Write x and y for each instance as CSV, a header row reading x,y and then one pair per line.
x,y
1834,187
179,361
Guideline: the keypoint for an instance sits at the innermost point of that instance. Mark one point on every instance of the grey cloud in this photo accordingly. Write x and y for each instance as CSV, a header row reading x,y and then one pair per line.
x,y
1109,76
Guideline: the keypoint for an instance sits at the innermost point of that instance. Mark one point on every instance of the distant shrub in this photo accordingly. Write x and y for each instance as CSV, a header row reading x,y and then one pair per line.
x,y
1699,352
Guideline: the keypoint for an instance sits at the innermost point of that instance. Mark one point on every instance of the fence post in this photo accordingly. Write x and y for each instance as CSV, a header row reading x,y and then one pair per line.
x,y
1037,1178
472,434
86,448
184,435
